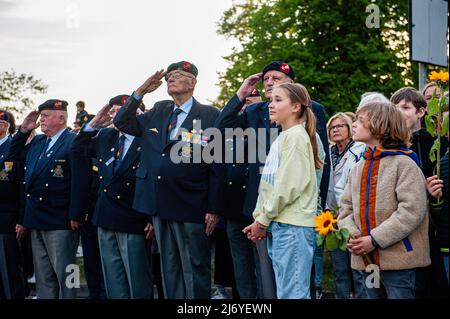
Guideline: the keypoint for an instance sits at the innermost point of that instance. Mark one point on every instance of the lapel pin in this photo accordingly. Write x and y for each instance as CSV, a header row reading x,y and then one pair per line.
x,y
154,130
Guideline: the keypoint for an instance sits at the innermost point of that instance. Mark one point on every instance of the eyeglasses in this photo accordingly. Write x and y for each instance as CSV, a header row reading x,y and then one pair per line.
x,y
337,126
176,75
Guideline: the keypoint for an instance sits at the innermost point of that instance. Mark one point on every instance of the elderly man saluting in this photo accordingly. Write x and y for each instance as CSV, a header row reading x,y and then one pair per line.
x,y
182,197
48,212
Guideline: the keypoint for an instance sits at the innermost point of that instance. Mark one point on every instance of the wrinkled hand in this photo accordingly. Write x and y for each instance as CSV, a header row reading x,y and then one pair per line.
x,y
360,246
102,118
20,231
254,232
75,225
248,86
149,231
151,84
30,122
211,221
434,186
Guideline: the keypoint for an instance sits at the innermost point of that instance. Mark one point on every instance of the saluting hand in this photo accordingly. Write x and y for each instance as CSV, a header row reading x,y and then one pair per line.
x,y
102,118
248,86
151,84
30,122
211,221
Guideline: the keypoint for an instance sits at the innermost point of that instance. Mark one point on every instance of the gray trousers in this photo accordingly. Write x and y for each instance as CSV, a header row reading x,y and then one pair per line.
x,y
269,289
11,275
185,259
245,260
53,251
126,268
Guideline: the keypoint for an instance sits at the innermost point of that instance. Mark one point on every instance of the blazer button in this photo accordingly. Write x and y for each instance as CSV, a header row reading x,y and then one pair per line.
x,y
159,177
46,185
234,165
134,167
231,183
101,177
163,154
24,167
40,199
128,184
100,160
23,183
51,171
244,187
118,197
105,190
28,195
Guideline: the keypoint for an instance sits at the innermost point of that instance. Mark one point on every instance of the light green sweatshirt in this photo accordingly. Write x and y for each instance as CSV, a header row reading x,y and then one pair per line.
x,y
288,188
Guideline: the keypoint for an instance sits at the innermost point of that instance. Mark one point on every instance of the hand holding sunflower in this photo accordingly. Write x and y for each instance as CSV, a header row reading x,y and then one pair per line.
x,y
328,232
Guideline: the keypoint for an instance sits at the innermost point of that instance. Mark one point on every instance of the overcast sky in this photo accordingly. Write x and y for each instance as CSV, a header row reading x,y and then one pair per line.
x,y
92,50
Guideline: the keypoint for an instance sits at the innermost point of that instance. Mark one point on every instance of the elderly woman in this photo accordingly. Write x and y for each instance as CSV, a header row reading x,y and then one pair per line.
x,y
345,153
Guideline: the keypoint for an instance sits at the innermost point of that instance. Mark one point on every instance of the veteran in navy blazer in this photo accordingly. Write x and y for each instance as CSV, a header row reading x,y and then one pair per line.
x,y
182,197
47,185
11,275
256,116
122,231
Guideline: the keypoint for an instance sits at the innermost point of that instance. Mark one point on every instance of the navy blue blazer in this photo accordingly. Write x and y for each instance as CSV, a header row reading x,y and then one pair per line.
x,y
46,182
182,192
11,175
257,116
116,189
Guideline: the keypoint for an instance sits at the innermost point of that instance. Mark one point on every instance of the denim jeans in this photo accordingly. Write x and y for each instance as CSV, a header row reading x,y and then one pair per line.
x,y
344,276
291,249
318,266
395,284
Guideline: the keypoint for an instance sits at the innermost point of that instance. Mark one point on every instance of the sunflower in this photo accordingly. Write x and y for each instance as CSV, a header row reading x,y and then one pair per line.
x,y
440,76
324,223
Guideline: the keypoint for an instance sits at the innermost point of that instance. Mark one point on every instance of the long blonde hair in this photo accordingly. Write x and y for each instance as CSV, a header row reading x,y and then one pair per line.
x,y
298,94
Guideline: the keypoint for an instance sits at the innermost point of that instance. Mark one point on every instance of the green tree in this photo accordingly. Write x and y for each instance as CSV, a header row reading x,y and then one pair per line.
x,y
335,55
17,91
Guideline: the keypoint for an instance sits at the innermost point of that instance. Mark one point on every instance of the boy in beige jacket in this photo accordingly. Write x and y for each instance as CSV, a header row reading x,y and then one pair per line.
x,y
384,205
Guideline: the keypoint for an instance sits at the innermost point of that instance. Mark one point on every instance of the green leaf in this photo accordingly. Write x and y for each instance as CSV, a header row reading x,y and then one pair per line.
x,y
434,149
345,233
331,242
319,239
338,235
445,127
433,107
430,125
343,245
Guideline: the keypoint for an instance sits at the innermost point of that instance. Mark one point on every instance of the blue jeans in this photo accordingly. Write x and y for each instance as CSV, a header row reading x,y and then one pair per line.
x,y
318,266
395,284
445,257
344,276
291,249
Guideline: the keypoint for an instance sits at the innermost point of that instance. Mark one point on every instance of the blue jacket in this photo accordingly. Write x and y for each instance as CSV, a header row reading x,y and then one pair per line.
x,y
174,191
257,116
116,189
46,182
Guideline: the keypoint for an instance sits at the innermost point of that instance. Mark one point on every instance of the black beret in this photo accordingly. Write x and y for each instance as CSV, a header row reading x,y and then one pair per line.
x,y
119,100
54,105
280,66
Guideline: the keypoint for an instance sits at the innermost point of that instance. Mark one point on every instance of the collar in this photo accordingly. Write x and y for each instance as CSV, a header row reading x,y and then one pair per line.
x,y
127,136
57,135
379,152
186,106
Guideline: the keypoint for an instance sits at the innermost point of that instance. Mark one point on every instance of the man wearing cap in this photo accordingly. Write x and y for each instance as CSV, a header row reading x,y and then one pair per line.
x,y
122,231
257,116
48,210
182,197
11,276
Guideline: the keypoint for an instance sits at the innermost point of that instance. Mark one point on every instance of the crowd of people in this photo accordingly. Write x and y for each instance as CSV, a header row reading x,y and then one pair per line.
x,y
146,220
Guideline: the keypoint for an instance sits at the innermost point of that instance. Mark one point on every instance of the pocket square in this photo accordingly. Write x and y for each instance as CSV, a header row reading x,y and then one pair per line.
x,y
154,130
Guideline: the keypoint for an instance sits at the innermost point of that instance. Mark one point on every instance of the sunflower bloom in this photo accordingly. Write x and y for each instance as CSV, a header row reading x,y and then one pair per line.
x,y
440,76
324,223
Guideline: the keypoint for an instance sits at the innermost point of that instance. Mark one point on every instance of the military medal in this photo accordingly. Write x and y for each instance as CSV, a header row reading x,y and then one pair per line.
x,y
8,166
58,171
109,161
186,150
4,175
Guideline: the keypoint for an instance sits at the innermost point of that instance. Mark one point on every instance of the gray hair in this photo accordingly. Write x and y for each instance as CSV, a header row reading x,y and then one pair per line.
x,y
369,97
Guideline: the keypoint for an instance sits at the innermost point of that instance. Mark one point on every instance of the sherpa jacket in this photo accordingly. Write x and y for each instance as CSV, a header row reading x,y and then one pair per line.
x,y
386,197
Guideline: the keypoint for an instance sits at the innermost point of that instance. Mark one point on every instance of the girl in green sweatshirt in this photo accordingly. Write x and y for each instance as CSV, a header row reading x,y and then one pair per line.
x,y
288,191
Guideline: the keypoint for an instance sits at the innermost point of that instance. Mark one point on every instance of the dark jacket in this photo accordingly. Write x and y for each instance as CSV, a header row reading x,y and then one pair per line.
x,y
11,174
116,189
257,116
440,214
182,192
47,181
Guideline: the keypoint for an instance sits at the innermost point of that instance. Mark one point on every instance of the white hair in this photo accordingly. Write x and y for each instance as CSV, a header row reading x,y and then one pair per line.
x,y
369,97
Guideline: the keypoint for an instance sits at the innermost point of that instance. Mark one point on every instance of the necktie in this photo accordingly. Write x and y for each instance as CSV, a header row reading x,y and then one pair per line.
x,y
173,122
119,153
44,149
